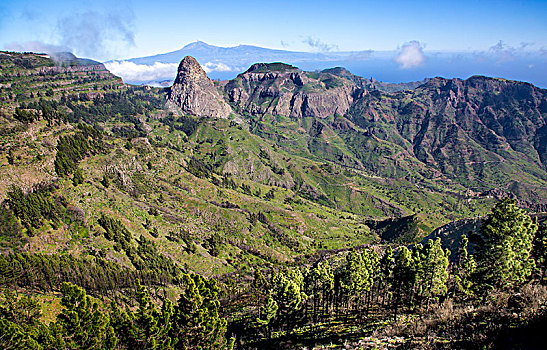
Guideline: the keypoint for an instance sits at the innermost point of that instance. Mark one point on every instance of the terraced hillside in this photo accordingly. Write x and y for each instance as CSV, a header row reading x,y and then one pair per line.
x,y
114,187
180,181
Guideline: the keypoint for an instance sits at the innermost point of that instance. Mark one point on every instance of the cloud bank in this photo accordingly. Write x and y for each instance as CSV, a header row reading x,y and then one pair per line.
x,y
132,72
411,55
217,67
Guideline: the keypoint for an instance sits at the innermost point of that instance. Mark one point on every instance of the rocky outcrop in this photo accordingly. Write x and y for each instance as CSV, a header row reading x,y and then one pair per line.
x,y
463,127
280,89
194,93
482,132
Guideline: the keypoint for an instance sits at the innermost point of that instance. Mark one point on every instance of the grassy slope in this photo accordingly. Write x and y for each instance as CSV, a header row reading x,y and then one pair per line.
x,y
329,200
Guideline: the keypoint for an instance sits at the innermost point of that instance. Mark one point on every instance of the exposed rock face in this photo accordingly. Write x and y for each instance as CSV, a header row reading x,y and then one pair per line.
x,y
195,93
280,89
483,133
456,124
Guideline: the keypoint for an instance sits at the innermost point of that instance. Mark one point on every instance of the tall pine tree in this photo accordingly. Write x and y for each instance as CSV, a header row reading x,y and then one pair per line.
x,y
504,256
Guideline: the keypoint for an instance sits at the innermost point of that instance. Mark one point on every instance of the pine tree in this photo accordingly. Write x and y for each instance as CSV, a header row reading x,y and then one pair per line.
x,y
355,279
436,270
147,327
289,295
77,177
504,257
464,269
81,323
404,277
539,250
13,336
267,312
386,272
320,281
197,323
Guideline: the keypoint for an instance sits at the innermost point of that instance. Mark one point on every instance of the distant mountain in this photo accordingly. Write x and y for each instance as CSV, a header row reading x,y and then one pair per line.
x,y
234,56
224,63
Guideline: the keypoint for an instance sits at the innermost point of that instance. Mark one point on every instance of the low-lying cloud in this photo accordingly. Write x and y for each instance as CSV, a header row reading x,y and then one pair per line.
x,y
133,72
411,55
217,67
139,73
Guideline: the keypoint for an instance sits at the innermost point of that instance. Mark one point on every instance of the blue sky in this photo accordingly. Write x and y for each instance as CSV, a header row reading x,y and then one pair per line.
x,y
121,29
497,38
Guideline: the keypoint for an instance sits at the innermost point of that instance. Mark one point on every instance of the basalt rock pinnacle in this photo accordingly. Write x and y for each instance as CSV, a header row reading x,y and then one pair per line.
x,y
194,93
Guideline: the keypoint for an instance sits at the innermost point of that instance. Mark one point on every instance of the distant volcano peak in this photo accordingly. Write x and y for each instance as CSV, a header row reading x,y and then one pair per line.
x,y
198,45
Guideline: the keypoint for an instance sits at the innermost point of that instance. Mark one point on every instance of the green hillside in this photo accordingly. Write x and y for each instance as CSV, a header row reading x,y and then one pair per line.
x,y
263,229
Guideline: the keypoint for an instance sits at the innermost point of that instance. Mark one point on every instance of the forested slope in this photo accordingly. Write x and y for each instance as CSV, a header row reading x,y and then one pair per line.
x,y
127,223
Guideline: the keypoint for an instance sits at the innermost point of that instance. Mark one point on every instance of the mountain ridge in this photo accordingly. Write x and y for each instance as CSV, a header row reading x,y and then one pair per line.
x,y
446,130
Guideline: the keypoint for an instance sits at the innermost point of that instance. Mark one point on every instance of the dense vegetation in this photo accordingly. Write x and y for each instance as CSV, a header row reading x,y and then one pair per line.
x,y
126,226
358,289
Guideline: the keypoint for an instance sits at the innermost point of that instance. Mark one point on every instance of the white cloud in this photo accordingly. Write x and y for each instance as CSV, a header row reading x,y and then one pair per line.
x,y
158,71
411,55
318,44
216,67
133,72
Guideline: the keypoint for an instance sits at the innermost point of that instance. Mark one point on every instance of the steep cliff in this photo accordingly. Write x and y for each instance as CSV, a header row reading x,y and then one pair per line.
x,y
281,89
194,93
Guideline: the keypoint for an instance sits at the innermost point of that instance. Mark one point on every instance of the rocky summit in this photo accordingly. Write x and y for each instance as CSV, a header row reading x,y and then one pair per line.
x,y
281,89
194,93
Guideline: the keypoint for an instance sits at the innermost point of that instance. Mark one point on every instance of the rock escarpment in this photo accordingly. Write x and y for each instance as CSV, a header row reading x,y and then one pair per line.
x,y
460,125
194,93
281,89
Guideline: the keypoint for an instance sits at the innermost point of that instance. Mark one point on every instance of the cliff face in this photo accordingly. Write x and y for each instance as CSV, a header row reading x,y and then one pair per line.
x,y
459,125
280,89
483,133
194,93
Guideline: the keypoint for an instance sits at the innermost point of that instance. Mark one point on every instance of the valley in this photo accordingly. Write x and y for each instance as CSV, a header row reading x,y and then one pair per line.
x,y
280,209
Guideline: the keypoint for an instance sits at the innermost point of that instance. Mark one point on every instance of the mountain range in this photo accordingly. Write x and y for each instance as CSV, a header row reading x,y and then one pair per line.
x,y
470,136
226,62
